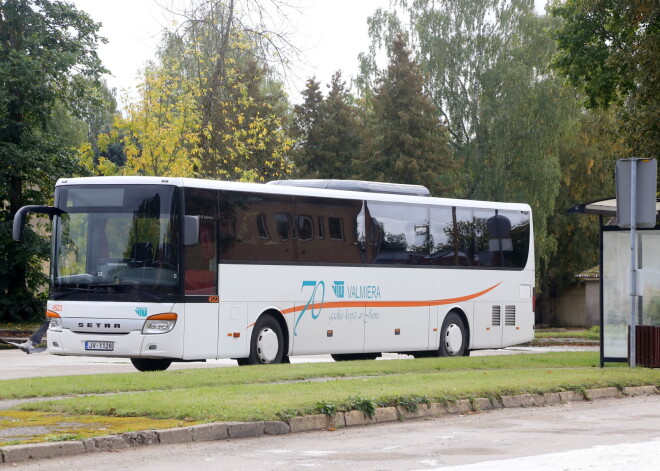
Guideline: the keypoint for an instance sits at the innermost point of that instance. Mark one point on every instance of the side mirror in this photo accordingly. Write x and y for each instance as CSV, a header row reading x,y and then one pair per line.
x,y
190,230
19,217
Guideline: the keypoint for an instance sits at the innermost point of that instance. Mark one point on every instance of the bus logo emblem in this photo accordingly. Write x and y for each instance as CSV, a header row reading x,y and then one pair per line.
x,y
338,288
141,311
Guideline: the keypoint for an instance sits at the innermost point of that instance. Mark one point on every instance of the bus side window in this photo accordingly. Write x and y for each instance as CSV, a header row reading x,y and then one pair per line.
x,y
201,260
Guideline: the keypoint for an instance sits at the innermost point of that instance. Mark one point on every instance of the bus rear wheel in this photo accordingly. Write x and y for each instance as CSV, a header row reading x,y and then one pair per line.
x,y
453,340
151,364
266,344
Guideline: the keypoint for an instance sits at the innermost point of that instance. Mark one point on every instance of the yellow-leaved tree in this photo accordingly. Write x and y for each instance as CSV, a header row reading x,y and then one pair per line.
x,y
208,107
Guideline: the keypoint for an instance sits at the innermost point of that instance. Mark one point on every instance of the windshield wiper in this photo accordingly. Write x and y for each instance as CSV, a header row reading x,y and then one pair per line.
x,y
128,285
74,290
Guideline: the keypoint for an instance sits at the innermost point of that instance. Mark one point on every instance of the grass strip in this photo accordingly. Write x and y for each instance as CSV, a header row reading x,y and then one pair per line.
x,y
209,377
592,333
255,401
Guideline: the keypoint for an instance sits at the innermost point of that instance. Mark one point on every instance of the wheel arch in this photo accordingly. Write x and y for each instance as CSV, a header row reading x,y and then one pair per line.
x,y
279,317
461,313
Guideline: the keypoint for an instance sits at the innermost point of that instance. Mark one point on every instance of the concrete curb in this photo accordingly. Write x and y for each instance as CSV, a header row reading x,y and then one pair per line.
x,y
234,430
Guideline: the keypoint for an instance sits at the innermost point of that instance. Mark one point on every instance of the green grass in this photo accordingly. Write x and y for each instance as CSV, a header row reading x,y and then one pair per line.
x,y
22,326
589,334
195,378
278,391
270,401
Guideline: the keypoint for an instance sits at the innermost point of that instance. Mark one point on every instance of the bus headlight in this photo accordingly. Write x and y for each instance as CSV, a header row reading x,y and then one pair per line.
x,y
55,321
159,323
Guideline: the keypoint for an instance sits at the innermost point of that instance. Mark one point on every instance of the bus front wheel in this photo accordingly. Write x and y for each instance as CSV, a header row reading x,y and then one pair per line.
x,y
453,341
151,364
266,344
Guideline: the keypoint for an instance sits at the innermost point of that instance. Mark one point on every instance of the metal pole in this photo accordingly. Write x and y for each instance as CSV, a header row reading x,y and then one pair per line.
x,y
633,259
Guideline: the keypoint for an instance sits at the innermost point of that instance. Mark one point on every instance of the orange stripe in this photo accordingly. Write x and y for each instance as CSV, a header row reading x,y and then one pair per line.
x,y
436,302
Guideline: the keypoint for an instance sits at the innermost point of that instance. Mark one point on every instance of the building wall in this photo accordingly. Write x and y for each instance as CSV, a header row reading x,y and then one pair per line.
x,y
571,308
579,306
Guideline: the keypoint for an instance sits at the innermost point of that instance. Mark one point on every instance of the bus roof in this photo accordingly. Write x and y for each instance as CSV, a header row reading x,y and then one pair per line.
x,y
282,189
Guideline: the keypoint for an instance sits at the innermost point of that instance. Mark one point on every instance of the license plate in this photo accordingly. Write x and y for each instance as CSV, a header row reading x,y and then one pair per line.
x,y
102,346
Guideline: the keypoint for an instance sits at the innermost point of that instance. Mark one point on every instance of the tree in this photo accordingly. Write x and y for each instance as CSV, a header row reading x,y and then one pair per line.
x,y
47,58
587,158
610,49
207,106
328,131
228,49
410,143
160,133
456,43
510,118
306,119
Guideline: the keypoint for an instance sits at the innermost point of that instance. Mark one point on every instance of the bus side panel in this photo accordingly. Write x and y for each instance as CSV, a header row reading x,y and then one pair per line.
x,y
234,336
487,326
434,329
396,329
328,330
201,331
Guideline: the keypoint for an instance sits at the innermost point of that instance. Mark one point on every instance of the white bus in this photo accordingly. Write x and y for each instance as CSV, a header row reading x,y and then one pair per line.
x,y
174,269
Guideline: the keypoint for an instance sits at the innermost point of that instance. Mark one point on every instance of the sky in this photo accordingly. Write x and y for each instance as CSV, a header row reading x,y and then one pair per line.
x,y
330,33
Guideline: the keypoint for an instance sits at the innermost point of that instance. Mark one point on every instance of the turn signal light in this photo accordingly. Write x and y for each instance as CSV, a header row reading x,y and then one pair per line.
x,y
55,321
159,323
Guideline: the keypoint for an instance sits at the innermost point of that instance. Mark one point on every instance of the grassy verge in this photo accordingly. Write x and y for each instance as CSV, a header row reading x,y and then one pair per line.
x,y
279,391
589,334
197,378
272,401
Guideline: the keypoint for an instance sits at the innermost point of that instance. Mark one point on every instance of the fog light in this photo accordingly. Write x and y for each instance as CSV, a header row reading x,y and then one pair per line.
x,y
159,323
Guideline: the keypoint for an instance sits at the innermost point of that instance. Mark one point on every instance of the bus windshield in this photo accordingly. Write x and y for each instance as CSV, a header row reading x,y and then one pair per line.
x,y
116,243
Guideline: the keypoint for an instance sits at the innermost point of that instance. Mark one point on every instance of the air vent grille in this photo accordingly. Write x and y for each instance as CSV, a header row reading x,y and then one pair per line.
x,y
496,315
510,315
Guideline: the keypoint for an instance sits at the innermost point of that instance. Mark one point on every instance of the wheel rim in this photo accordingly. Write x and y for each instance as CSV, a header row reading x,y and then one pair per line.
x,y
267,345
453,339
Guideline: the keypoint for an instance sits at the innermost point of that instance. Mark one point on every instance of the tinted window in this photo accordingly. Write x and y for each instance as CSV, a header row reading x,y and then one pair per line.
x,y
479,237
201,260
444,250
343,220
520,232
256,227
304,227
400,233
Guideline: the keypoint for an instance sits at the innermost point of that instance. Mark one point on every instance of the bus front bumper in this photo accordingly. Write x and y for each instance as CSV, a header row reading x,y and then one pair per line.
x,y
131,345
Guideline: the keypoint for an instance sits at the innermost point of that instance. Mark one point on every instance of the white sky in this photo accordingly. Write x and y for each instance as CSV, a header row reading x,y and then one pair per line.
x,y
331,34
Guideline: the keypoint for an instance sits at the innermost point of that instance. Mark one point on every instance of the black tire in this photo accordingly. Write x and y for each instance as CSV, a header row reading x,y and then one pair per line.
x,y
355,356
151,364
453,336
266,343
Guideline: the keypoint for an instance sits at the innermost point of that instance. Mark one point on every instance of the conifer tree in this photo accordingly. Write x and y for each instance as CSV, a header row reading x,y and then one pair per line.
x,y
410,143
328,131
306,117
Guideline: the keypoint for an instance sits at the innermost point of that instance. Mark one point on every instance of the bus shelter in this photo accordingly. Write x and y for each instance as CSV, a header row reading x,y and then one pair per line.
x,y
615,309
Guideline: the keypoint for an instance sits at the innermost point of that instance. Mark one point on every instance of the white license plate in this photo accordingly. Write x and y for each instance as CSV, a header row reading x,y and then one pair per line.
x,y
102,346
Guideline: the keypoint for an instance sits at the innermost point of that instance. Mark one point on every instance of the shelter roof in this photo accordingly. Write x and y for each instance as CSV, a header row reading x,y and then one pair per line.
x,y
606,207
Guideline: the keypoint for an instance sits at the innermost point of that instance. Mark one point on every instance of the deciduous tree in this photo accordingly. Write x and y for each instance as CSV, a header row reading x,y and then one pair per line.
x,y
609,48
47,59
